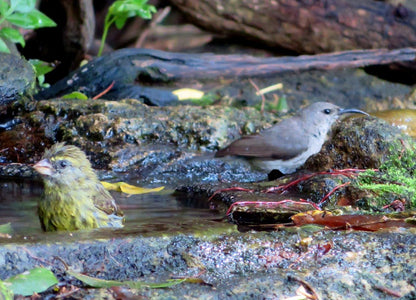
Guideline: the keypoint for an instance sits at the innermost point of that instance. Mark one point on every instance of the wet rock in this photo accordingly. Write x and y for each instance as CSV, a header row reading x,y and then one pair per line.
x,y
131,122
17,78
17,171
362,143
155,144
224,262
25,143
274,202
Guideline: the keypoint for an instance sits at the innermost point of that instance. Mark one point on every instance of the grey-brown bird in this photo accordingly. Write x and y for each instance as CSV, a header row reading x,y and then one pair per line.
x,y
287,145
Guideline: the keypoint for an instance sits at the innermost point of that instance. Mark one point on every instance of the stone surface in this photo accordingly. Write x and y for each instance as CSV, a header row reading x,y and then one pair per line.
x,y
363,143
358,264
17,78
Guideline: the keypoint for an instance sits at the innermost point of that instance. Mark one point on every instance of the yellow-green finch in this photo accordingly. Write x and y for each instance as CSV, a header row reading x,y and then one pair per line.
x,y
73,197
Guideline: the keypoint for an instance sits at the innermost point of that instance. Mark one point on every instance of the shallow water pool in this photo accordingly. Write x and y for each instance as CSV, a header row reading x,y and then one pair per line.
x,y
146,214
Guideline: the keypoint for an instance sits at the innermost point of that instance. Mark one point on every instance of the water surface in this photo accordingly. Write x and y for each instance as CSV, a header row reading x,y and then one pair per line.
x,y
146,214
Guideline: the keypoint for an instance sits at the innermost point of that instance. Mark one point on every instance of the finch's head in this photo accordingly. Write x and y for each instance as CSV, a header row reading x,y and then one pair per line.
x,y
65,164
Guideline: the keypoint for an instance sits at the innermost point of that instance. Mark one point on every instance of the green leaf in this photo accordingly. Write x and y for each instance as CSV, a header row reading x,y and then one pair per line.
x,y
131,8
23,6
101,283
33,281
120,21
4,7
5,292
282,105
3,46
116,8
6,228
146,12
120,11
75,95
31,20
204,101
12,35
41,81
41,67
119,7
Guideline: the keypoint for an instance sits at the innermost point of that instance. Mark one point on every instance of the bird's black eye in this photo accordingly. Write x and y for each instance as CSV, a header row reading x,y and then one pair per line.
x,y
63,164
327,111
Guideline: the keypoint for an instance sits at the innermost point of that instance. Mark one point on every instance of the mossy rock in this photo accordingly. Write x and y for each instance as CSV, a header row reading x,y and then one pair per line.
x,y
359,142
385,151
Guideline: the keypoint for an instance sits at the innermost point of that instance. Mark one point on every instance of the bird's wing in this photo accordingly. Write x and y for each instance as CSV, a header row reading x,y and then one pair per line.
x,y
266,145
103,200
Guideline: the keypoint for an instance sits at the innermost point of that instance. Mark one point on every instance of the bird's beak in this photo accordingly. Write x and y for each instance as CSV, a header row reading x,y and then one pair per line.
x,y
44,167
352,111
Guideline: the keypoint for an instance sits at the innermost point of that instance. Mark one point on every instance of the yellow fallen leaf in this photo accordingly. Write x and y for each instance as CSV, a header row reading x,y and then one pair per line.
x,y
277,86
128,188
185,94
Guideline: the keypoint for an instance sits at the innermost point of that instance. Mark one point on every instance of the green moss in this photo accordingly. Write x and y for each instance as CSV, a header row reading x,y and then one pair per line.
x,y
395,179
